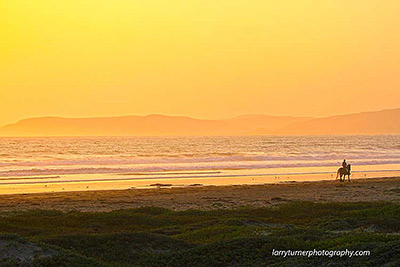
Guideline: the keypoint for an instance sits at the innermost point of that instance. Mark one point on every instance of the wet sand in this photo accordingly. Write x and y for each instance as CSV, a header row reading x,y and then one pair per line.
x,y
209,197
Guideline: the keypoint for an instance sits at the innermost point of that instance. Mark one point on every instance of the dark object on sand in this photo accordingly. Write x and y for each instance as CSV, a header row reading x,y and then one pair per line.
x,y
161,185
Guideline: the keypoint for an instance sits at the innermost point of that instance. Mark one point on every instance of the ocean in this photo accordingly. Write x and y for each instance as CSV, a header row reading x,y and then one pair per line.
x,y
29,165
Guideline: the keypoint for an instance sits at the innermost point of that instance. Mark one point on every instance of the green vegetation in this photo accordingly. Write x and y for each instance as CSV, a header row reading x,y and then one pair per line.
x,y
240,237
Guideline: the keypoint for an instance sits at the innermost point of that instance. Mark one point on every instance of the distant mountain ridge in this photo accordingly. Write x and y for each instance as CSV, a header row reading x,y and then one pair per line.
x,y
379,122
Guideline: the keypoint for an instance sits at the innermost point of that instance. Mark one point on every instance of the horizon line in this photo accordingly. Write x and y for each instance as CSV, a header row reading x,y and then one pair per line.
x,y
196,118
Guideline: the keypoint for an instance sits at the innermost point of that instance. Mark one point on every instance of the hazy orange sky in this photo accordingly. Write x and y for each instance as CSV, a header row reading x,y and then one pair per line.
x,y
206,59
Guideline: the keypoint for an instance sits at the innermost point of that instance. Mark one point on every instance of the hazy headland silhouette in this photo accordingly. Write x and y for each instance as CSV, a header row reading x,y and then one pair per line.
x,y
378,122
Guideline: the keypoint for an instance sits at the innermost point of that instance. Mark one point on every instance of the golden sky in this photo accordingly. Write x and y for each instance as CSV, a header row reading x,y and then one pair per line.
x,y
201,58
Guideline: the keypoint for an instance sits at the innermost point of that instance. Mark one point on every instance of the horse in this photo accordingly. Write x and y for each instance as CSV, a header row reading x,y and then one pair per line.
x,y
343,172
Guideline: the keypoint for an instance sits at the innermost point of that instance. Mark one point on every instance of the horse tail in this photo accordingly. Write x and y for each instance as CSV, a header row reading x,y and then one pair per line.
x,y
337,174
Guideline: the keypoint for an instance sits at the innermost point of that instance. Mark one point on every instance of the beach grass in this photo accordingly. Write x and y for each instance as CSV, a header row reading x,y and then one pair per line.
x,y
245,236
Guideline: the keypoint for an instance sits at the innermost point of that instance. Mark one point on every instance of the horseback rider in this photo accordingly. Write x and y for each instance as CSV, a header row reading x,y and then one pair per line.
x,y
344,164
345,170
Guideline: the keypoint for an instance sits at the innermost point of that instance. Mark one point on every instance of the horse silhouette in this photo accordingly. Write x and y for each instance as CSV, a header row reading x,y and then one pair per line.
x,y
343,172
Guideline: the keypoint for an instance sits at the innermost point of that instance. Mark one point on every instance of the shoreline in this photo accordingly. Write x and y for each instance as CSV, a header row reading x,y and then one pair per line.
x,y
209,197
126,181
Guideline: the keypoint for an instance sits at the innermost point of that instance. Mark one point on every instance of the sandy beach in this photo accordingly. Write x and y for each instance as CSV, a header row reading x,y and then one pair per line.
x,y
210,197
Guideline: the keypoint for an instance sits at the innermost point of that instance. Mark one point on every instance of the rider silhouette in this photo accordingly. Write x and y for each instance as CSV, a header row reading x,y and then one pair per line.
x,y
344,164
